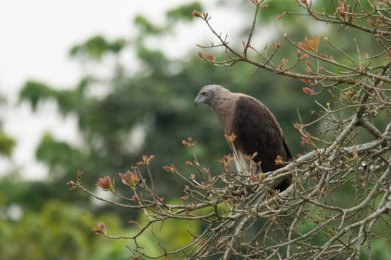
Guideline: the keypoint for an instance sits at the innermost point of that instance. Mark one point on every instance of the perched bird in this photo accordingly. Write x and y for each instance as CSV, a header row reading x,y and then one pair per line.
x,y
258,134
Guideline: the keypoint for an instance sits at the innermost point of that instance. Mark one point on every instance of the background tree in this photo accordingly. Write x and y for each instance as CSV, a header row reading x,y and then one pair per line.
x,y
350,138
7,143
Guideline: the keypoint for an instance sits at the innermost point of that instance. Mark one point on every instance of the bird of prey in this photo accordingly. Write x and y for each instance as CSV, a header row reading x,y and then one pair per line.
x,y
258,134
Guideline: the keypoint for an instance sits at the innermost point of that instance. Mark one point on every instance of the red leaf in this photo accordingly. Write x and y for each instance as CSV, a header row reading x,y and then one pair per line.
x,y
130,179
279,160
189,163
99,229
281,16
106,183
188,142
306,81
310,44
207,56
147,159
277,45
305,140
196,13
71,185
169,168
342,9
371,22
309,91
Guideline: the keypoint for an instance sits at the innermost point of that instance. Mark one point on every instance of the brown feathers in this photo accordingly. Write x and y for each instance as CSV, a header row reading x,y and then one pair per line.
x,y
256,128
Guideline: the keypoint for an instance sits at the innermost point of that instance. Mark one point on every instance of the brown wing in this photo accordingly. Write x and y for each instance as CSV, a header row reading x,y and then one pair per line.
x,y
258,131
288,152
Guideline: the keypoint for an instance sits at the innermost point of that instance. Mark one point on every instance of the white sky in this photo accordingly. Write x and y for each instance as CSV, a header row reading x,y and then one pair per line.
x,y
35,36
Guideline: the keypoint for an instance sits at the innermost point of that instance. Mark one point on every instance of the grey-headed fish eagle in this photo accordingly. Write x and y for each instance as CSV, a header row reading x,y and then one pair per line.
x,y
257,131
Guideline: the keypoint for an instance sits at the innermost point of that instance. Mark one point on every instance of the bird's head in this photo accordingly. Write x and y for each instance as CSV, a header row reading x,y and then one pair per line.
x,y
210,94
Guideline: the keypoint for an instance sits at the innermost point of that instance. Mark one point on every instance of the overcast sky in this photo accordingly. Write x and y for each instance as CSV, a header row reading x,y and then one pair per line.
x,y
35,38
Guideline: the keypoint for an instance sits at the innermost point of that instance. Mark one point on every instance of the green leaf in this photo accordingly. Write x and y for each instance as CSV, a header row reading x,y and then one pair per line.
x,y
183,12
57,154
7,144
34,91
146,26
96,47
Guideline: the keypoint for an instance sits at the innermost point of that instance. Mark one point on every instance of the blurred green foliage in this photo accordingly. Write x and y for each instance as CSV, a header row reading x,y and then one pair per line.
x,y
380,251
7,144
148,112
170,234
182,13
96,46
58,231
146,26
58,155
68,100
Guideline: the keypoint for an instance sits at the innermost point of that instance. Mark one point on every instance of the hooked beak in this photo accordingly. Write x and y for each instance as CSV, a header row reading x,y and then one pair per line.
x,y
198,100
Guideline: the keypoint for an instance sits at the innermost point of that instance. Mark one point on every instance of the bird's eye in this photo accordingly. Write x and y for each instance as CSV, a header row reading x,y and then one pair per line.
x,y
204,93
